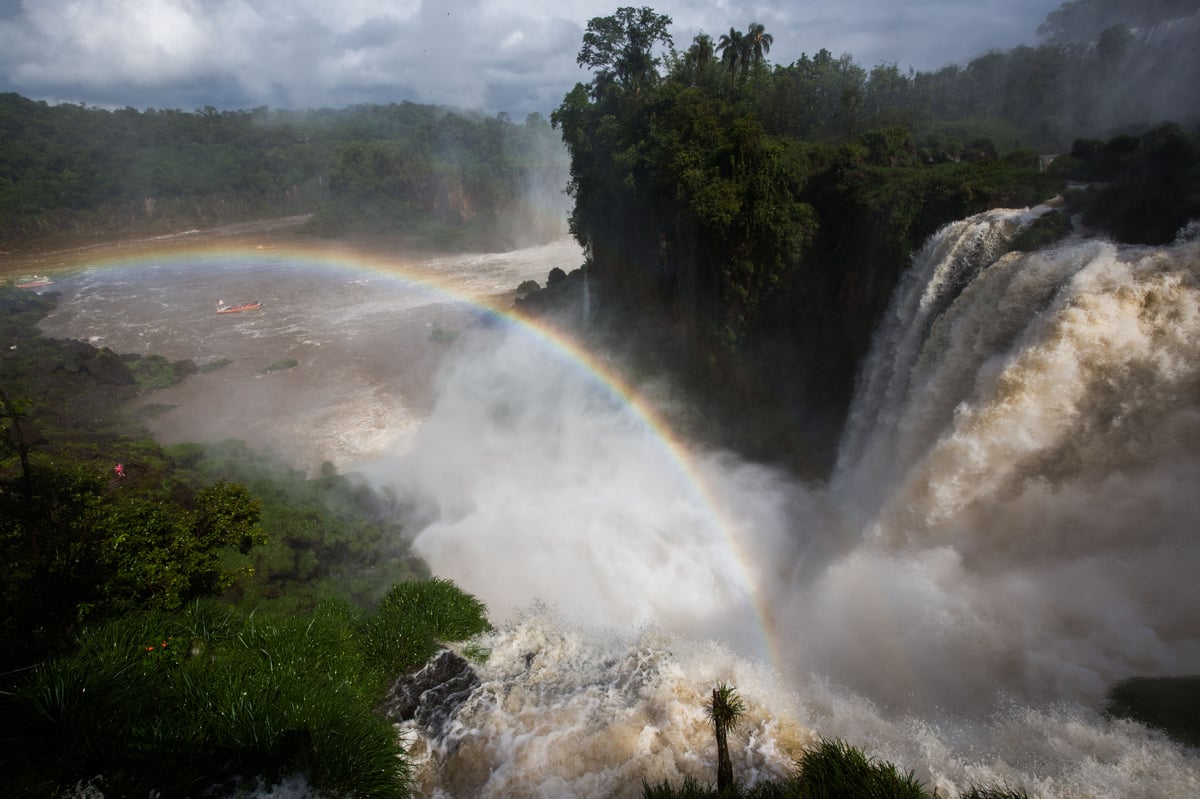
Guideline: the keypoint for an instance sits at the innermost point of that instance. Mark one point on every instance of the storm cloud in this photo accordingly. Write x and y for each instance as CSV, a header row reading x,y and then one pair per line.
x,y
514,56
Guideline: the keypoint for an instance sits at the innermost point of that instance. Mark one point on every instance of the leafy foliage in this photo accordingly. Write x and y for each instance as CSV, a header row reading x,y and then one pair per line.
x,y
79,550
724,710
327,536
1151,183
620,47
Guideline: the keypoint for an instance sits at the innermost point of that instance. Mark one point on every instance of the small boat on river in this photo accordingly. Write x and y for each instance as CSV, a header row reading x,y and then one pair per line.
x,y
245,306
33,282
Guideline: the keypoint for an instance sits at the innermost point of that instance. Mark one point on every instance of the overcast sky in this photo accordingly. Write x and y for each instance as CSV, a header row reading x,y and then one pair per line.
x,y
515,56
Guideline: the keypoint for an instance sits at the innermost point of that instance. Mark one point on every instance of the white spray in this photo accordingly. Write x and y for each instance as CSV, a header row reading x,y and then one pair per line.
x,y
1010,530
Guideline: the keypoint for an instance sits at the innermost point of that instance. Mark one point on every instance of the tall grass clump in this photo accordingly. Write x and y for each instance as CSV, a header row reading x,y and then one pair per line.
x,y
690,789
415,617
835,769
993,792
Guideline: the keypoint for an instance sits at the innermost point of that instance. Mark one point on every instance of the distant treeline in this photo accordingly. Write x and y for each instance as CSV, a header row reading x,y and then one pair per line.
x,y
69,169
749,222
1103,67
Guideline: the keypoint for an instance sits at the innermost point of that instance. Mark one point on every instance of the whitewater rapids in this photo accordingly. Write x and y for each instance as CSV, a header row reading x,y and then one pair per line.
x,y
1009,531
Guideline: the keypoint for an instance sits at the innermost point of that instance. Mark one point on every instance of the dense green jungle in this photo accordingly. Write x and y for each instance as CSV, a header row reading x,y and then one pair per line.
x,y
449,177
212,615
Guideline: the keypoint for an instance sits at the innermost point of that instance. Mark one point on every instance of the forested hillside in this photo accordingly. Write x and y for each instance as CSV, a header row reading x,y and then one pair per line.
x,y
751,221
68,170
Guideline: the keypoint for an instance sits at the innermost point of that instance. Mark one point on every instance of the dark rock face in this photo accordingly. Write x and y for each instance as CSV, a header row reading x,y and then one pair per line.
x,y
431,696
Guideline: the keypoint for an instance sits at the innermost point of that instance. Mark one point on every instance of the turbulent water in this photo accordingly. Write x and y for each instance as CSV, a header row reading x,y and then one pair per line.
x,y
1010,529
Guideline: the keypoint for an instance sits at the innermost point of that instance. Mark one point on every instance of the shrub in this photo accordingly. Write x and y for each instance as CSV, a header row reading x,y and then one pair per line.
x,y
153,372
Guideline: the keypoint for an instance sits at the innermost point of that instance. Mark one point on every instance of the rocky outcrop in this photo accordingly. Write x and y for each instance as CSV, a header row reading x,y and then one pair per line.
x,y
432,695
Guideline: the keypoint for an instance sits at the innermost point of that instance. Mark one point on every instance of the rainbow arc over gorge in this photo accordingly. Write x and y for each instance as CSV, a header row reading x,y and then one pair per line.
x,y
357,262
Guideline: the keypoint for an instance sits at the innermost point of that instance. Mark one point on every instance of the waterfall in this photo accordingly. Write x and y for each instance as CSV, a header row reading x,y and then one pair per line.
x,y
1011,528
1020,474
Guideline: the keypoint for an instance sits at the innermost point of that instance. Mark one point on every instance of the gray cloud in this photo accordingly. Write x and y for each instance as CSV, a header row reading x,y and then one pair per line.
x,y
502,55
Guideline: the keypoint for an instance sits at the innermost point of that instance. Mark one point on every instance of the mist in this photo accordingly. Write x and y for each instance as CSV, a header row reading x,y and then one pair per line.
x,y
532,480
1012,516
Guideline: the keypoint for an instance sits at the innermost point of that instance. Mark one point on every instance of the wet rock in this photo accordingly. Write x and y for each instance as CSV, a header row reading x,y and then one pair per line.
x,y
431,695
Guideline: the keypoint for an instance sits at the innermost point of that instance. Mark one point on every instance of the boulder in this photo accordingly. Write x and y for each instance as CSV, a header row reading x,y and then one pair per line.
x,y
431,695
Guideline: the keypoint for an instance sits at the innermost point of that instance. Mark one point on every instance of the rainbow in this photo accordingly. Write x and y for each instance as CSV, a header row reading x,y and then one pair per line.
x,y
339,257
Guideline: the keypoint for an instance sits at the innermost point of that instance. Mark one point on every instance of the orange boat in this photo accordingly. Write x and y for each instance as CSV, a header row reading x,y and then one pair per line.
x,y
246,306
33,282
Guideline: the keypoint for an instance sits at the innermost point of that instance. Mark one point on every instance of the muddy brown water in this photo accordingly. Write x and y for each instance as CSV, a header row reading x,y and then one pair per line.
x,y
366,323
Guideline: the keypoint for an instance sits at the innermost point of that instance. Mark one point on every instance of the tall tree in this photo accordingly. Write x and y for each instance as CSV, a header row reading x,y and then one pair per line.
x,y
758,43
724,710
731,46
620,47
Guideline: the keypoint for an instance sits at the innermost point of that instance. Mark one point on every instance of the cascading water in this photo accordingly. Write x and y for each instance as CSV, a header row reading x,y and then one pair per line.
x,y
1010,529
1026,451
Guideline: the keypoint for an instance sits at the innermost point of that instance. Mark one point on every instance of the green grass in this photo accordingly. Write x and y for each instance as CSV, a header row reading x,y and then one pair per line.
x,y
176,702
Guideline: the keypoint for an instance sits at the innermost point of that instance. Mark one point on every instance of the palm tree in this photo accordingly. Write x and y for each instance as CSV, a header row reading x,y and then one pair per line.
x,y
758,43
724,711
731,47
